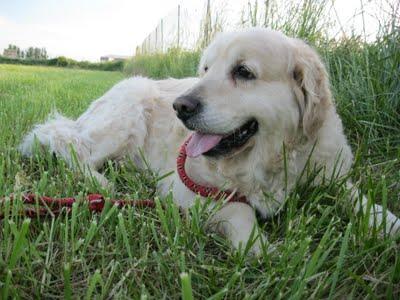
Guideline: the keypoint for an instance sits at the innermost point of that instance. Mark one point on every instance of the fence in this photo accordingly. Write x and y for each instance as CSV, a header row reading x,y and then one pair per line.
x,y
193,26
186,27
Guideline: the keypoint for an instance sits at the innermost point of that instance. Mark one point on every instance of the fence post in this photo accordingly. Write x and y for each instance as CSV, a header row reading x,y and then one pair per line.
x,y
155,46
209,28
162,35
179,22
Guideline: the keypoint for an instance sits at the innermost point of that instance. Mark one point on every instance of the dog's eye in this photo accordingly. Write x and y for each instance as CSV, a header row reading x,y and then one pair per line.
x,y
242,72
205,69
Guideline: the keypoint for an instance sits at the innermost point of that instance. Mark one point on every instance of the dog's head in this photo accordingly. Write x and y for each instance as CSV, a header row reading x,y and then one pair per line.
x,y
255,85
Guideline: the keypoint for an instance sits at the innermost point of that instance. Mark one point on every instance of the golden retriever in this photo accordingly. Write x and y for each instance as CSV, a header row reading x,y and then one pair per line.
x,y
259,94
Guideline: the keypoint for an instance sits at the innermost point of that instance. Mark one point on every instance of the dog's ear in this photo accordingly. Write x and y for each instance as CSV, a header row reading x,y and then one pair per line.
x,y
311,88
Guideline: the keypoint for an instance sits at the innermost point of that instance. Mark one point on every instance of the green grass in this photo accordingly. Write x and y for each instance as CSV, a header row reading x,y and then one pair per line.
x,y
28,94
175,63
321,249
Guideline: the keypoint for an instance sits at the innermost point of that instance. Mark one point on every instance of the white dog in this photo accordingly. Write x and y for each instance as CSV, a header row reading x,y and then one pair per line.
x,y
259,94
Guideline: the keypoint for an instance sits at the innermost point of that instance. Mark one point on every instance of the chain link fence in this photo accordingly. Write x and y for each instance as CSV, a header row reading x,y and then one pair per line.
x,y
193,26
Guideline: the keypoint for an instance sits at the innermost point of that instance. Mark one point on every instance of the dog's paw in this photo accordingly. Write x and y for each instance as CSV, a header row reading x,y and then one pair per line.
x,y
100,179
392,225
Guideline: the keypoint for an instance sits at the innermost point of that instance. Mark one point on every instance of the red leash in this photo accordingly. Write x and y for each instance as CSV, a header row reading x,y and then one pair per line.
x,y
49,205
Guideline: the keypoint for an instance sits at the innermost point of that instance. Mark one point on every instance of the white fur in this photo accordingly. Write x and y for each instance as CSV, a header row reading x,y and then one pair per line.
x,y
290,99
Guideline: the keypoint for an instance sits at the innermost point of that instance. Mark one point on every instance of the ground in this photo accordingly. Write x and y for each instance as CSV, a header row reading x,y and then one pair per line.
x,y
320,249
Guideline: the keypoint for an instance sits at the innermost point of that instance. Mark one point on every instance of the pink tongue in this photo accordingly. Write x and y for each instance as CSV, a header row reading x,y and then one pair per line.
x,y
200,143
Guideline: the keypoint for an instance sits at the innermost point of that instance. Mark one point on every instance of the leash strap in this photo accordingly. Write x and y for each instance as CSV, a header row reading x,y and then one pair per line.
x,y
54,206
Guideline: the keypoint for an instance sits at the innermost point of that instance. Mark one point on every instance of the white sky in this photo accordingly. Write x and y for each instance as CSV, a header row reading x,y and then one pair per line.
x,y
88,29
80,29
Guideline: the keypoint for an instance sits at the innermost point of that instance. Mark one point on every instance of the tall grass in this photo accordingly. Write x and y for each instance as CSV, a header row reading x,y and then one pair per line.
x,y
175,63
366,83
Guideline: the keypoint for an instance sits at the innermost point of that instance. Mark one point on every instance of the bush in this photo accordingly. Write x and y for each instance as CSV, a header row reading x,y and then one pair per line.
x,y
175,63
61,61
65,62
17,61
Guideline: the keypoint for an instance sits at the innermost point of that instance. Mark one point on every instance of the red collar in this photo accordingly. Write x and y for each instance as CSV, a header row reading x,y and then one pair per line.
x,y
202,190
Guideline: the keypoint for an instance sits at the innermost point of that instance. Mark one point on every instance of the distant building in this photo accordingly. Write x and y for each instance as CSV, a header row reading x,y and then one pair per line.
x,y
114,58
10,53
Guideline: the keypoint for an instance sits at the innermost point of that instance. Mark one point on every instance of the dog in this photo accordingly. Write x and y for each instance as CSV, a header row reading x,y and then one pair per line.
x,y
260,111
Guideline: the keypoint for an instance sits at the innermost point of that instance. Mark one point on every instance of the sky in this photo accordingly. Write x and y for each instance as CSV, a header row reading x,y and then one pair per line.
x,y
89,29
80,29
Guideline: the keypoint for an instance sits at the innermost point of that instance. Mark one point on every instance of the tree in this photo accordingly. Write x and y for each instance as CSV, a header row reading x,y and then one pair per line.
x,y
30,53
36,53
44,53
33,53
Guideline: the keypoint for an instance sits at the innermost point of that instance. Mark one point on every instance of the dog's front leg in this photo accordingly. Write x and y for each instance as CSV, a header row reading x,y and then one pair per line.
x,y
237,221
385,221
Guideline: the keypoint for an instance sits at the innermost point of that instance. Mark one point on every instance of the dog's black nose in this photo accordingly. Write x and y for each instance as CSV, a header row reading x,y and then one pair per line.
x,y
186,106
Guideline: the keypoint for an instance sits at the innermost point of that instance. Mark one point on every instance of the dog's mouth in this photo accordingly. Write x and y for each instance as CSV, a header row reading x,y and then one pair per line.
x,y
221,144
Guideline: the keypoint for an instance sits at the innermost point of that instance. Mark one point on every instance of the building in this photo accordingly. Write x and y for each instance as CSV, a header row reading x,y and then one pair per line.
x,y
10,53
114,58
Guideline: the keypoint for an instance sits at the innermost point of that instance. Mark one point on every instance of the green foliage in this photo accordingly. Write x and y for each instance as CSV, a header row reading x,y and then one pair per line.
x,y
175,63
60,61
65,62
16,61
34,53
366,83
306,19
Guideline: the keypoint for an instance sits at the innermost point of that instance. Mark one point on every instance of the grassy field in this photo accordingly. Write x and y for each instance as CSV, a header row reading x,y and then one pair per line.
x,y
321,249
